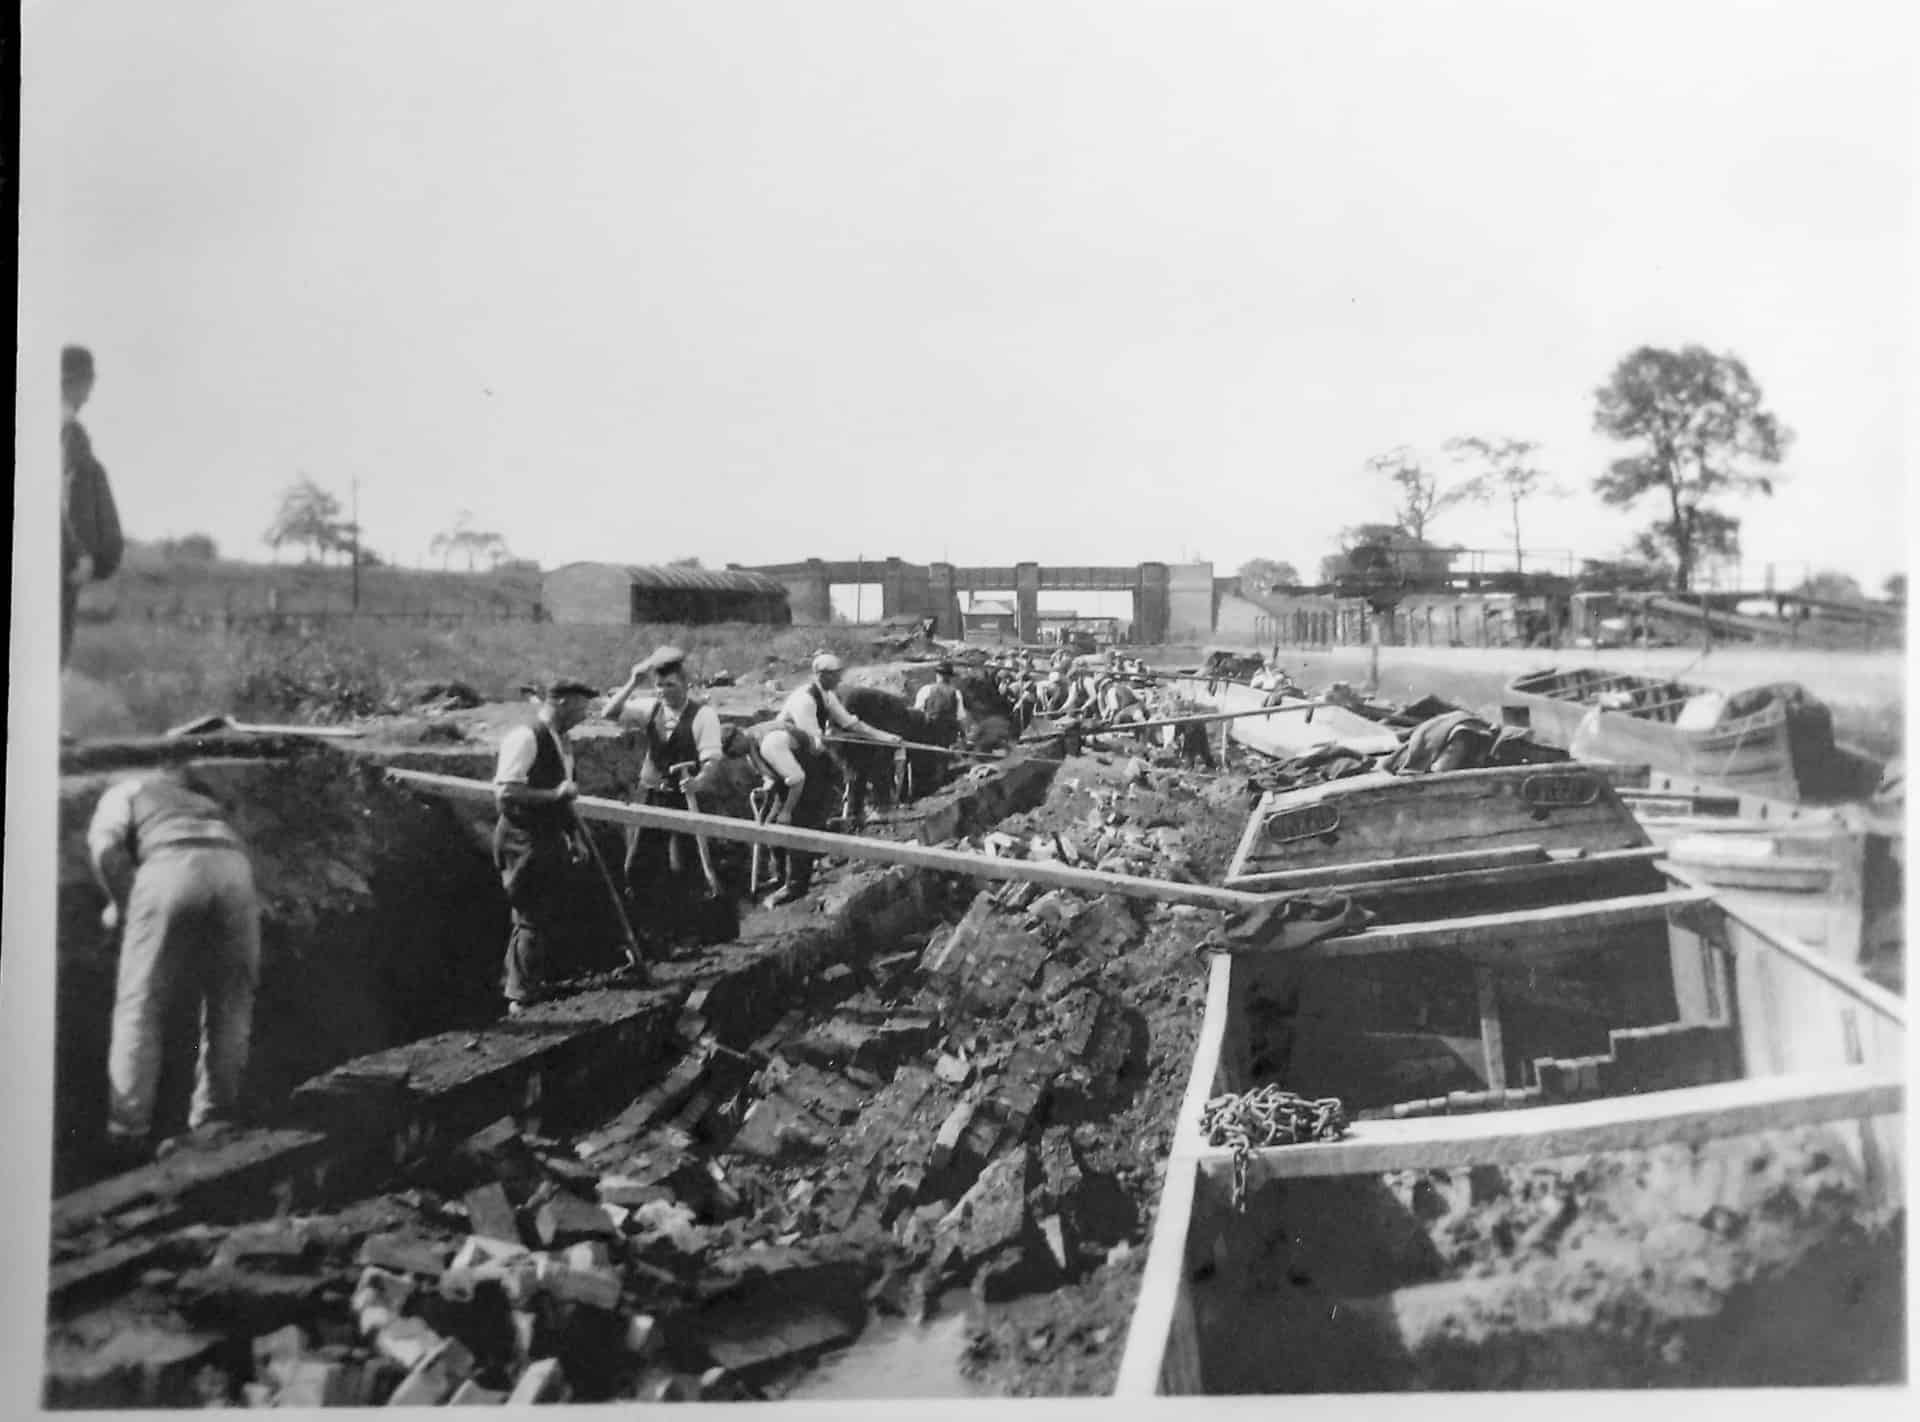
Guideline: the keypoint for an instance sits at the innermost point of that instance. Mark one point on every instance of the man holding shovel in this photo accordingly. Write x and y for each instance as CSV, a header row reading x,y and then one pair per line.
x,y
537,843
684,746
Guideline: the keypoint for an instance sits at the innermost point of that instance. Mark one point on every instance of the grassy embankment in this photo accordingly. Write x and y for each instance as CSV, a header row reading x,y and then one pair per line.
x,y
128,678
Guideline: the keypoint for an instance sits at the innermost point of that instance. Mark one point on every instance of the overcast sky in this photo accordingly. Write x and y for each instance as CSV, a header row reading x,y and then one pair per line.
x,y
1076,282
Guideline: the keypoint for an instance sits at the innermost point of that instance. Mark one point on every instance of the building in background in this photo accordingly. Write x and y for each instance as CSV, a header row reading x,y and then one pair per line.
x,y
989,620
623,593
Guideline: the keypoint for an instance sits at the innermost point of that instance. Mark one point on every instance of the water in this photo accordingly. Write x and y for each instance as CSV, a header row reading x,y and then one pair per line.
x,y
895,1357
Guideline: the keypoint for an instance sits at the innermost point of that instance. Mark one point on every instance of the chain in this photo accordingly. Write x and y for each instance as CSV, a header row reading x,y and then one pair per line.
x,y
1268,1116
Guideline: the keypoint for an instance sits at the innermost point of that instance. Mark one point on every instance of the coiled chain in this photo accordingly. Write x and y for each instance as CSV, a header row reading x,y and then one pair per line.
x,y
1268,1116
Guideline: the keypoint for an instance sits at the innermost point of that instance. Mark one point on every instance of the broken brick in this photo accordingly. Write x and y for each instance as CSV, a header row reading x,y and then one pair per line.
x,y
404,1254
317,1383
433,1379
406,1341
490,1215
567,1219
471,1394
541,1382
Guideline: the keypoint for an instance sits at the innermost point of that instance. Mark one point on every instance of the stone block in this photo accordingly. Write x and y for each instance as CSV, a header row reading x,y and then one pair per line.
x,y
541,1382
471,1394
490,1215
313,1382
567,1219
401,1253
434,1378
643,1335
406,1341
274,1353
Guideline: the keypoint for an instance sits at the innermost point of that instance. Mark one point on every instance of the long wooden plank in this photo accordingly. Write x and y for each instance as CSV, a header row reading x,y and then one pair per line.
x,y
1508,876
1684,1116
1535,926
850,846
1374,870
1867,993
1164,1280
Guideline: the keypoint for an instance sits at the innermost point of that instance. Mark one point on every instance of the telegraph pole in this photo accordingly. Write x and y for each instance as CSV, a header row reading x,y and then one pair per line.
x,y
356,544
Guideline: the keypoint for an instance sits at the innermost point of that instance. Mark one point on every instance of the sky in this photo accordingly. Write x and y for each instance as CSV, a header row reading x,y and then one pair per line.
x,y
1093,282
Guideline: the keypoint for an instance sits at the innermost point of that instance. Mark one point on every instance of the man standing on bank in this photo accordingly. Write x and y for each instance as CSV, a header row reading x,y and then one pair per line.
x,y
794,747
535,843
180,888
684,746
90,540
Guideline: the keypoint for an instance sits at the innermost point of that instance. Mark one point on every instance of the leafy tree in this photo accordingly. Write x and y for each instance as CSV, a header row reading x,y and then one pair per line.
x,y
309,518
1260,575
1698,420
190,548
1831,585
1506,471
1421,495
1895,587
474,543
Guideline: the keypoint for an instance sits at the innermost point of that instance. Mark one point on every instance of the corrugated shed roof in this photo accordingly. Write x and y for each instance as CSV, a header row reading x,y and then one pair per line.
x,y
697,579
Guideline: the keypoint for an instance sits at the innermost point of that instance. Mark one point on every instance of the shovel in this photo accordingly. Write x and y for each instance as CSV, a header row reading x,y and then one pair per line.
x,y
208,725
629,943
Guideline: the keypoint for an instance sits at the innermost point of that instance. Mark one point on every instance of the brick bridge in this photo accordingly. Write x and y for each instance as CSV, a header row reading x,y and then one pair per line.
x,y
1171,602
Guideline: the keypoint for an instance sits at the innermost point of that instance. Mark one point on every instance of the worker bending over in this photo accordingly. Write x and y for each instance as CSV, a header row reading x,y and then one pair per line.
x,y
180,890
684,748
792,750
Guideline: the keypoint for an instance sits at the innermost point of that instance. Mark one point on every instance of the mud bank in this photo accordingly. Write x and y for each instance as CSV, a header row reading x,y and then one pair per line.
x,y
1749,1262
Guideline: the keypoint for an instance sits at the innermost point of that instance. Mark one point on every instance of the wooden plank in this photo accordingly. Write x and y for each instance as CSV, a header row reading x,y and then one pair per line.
x,y
1685,1116
1557,922
850,846
1376,870
1493,1040
1511,876
1869,994
1163,1283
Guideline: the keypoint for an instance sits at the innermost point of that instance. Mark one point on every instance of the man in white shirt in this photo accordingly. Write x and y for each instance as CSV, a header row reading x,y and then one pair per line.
x,y
793,749
684,746
178,881
535,847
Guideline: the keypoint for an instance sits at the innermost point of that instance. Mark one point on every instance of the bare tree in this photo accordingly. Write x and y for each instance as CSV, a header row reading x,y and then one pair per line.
x,y
1506,471
1421,495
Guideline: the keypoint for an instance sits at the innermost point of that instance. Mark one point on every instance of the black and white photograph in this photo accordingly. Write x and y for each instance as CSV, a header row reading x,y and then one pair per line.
x,y
907,706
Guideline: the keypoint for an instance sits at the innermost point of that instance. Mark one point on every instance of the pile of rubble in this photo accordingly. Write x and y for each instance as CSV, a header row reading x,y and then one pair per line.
x,y
987,1108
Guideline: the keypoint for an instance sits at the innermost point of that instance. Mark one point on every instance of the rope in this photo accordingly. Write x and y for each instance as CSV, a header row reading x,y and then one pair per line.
x,y
1268,1116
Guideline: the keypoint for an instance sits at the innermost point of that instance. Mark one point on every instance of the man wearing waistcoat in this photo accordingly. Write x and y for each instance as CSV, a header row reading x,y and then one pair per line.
x,y
793,749
180,889
684,745
536,845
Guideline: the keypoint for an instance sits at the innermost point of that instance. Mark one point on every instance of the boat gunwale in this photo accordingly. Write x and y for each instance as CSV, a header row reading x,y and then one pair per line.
x,y
1198,1174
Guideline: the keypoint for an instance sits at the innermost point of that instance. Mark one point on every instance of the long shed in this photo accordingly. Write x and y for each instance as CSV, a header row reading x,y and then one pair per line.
x,y
630,594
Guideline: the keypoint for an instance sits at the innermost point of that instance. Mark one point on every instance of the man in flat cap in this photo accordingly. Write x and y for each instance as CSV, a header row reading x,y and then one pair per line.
x,y
792,748
534,841
684,748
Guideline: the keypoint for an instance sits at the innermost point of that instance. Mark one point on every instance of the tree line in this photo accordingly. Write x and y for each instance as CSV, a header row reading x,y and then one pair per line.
x,y
1696,432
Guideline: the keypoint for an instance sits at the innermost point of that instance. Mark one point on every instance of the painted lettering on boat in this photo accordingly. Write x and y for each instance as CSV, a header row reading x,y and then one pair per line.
x,y
1302,822
1560,790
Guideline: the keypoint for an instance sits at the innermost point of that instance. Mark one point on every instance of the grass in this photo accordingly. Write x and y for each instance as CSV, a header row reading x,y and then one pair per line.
x,y
128,677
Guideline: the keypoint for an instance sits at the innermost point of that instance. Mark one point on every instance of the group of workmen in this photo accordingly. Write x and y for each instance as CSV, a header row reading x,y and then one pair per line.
x,y
541,845
1068,686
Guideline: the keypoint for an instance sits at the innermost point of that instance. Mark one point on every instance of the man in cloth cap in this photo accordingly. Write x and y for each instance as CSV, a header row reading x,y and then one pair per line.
x,y
684,748
792,749
535,842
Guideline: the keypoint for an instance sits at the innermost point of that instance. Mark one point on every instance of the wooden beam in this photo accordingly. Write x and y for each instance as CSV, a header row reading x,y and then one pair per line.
x,y
852,846
1688,1116
1506,876
1375,870
1518,929
1493,1040
1163,1282
1866,992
